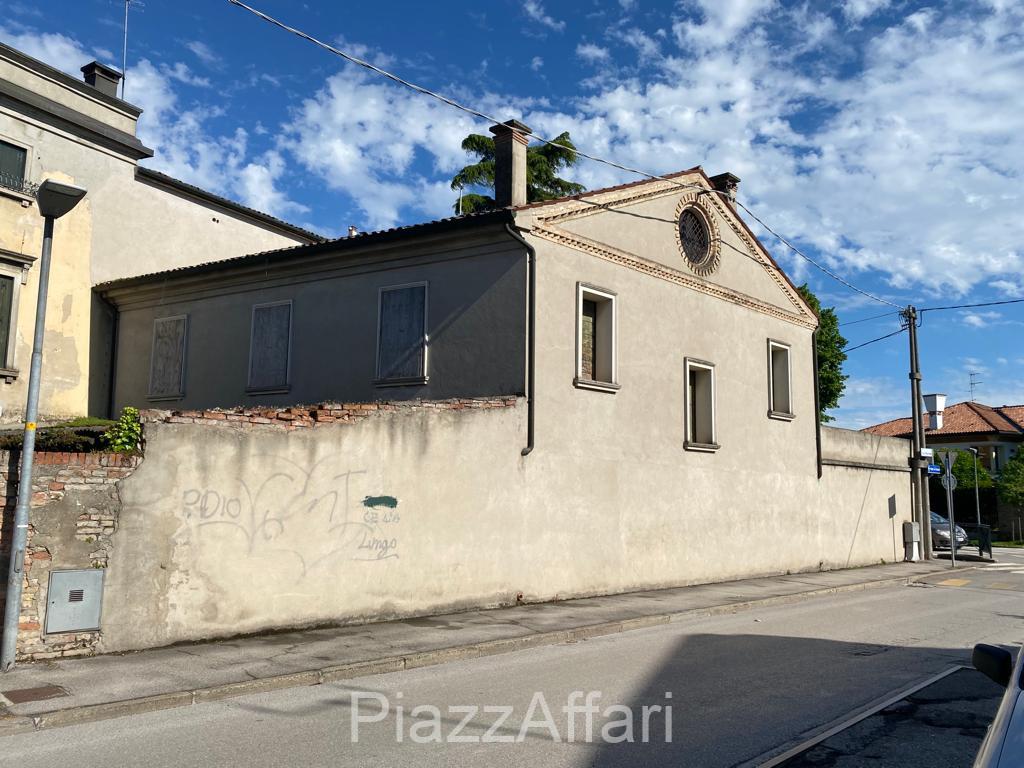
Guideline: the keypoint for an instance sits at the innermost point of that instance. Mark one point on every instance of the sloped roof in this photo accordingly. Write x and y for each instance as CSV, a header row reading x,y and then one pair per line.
x,y
192,189
965,418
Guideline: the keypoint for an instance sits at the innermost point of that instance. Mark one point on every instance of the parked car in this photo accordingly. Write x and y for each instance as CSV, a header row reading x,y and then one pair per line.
x,y
940,533
1003,746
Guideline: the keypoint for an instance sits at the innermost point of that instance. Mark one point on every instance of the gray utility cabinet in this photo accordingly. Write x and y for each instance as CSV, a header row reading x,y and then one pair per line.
x,y
74,600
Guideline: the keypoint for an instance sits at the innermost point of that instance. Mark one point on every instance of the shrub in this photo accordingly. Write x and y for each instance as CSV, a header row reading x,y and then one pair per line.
x,y
126,434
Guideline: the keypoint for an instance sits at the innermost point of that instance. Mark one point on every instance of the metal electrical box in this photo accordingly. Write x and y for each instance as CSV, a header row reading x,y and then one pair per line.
x,y
73,600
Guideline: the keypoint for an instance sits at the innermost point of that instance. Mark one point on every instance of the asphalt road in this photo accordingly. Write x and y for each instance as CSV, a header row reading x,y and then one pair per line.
x,y
741,686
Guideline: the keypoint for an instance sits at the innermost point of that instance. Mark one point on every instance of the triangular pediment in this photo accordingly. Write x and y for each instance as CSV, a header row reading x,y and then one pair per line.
x,y
639,225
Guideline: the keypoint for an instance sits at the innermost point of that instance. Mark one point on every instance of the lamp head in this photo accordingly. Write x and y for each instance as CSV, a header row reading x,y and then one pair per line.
x,y
55,199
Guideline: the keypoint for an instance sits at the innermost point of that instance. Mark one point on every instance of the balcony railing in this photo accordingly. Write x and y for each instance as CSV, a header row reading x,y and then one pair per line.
x,y
18,184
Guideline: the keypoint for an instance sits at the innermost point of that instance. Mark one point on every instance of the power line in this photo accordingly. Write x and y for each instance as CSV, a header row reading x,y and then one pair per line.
x,y
880,338
969,306
484,116
866,319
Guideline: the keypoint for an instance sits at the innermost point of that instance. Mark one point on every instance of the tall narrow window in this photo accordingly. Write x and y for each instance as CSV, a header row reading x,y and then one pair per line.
x,y
6,318
780,396
270,347
700,406
402,335
167,365
12,166
595,339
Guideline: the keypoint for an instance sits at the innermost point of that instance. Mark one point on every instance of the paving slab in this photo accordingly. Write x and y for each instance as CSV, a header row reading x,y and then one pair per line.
x,y
107,686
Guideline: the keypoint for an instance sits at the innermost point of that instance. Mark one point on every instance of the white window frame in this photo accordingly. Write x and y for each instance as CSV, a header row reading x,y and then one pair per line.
x,y
249,388
26,200
424,377
773,412
587,292
184,360
15,266
688,444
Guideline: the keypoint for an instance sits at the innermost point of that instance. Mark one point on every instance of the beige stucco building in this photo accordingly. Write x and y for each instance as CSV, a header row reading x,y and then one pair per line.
x,y
133,220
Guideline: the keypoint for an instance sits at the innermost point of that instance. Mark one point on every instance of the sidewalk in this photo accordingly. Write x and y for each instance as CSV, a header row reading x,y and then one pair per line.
x,y
112,686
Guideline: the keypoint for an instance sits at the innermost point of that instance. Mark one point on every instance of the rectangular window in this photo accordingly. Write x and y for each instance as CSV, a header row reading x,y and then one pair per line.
x,y
402,335
700,406
167,365
270,347
6,318
12,166
780,397
595,339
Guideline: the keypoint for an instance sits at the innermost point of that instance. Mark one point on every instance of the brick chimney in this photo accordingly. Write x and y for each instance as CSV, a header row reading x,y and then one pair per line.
x,y
727,184
102,78
510,140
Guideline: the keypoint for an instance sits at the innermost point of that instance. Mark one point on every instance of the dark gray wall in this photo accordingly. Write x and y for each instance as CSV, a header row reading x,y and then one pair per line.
x,y
476,326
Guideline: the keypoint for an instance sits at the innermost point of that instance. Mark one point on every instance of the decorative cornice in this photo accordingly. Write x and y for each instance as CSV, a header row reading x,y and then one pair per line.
x,y
660,271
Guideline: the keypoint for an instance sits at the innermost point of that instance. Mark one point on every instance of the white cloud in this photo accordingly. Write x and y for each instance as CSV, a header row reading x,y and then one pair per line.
x,y
858,10
1002,361
722,21
535,10
536,63
980,319
646,47
592,53
203,52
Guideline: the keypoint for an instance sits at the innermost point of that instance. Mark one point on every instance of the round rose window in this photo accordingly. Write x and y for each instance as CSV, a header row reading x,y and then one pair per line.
x,y
695,237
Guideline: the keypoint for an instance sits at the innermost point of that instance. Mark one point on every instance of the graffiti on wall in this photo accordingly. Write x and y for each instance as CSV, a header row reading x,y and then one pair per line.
x,y
317,514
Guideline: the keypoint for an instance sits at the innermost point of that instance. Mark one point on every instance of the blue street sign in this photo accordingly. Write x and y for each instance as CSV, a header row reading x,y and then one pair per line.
x,y
934,469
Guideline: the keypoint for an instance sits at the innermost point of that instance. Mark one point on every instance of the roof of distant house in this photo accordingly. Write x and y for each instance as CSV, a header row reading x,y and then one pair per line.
x,y
223,202
967,418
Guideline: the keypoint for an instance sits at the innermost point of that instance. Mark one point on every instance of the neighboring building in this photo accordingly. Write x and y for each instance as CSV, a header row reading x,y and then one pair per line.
x,y
133,220
997,433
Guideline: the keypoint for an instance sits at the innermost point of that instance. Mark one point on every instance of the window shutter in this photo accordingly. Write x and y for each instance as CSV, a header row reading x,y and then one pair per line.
x,y
402,342
6,302
167,367
271,336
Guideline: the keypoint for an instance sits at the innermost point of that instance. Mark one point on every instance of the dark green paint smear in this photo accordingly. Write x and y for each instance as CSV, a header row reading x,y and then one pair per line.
x,y
380,501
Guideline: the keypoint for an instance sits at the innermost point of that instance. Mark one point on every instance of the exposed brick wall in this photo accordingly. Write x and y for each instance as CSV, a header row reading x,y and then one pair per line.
x,y
72,519
302,416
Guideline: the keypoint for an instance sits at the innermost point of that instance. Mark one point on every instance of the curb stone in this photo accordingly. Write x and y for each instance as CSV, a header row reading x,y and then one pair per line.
x,y
12,725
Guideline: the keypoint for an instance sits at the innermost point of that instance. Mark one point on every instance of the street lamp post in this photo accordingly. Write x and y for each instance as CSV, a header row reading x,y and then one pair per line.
x,y
54,200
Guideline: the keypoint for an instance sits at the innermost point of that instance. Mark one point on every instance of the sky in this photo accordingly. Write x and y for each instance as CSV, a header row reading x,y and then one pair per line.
x,y
883,138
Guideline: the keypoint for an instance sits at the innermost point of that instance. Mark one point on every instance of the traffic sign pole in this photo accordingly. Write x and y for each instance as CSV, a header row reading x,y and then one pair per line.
x,y
949,482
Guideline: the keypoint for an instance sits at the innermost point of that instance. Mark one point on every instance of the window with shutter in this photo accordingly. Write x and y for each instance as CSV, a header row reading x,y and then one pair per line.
x,y
401,335
167,365
6,316
270,347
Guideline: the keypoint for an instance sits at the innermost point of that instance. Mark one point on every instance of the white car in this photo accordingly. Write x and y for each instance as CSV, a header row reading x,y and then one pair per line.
x,y
1003,746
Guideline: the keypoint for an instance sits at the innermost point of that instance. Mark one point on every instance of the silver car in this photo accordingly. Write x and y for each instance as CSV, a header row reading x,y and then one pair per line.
x,y
940,533
1003,746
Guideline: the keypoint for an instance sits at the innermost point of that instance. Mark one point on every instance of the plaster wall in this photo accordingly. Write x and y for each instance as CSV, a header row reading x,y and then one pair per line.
x,y
430,509
476,317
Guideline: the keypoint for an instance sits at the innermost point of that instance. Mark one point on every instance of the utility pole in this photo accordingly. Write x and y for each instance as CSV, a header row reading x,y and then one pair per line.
x,y
918,481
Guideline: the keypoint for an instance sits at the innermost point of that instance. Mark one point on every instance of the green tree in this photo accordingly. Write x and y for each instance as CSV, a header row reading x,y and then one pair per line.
x,y
831,379
1011,481
543,163
963,471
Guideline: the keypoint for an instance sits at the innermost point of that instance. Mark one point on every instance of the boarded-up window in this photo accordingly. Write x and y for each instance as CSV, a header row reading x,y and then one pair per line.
x,y
402,337
270,345
167,366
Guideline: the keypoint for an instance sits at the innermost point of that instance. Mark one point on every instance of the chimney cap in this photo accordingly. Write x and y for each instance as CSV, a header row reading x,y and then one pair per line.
x,y
510,126
101,77
725,180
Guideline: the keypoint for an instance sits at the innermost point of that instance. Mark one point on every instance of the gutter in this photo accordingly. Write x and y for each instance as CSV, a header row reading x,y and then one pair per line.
x,y
531,338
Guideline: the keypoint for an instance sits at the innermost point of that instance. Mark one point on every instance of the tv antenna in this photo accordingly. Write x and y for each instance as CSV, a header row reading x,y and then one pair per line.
x,y
124,50
974,383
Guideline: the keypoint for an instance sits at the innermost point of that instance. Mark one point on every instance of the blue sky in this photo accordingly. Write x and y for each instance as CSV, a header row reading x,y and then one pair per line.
x,y
885,138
